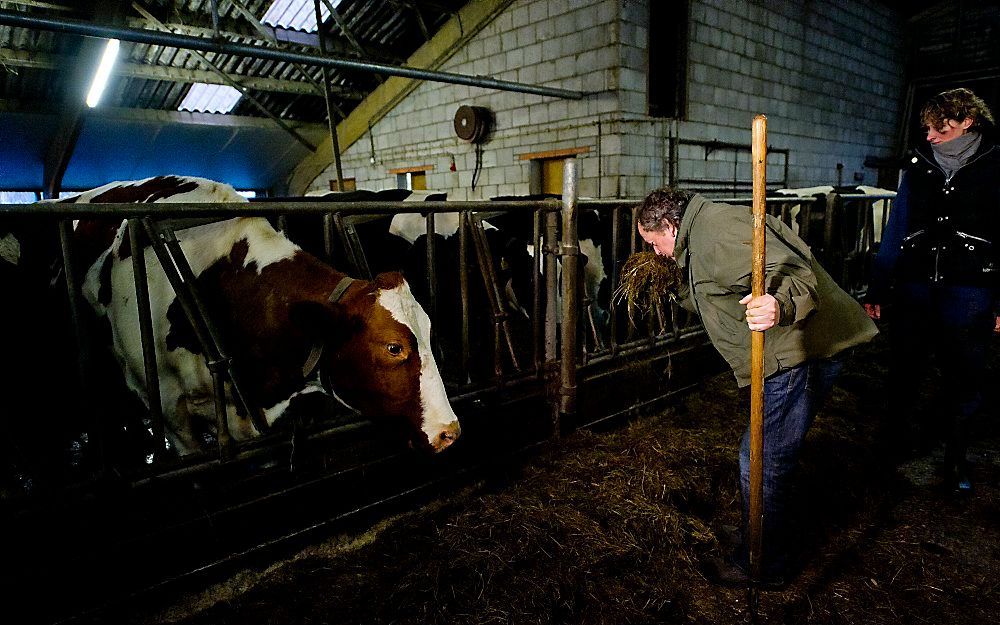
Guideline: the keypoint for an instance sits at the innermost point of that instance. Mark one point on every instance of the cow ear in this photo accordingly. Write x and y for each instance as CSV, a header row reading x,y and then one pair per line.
x,y
388,280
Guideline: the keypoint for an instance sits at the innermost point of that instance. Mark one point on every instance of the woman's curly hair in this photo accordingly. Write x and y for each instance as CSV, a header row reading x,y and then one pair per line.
x,y
957,104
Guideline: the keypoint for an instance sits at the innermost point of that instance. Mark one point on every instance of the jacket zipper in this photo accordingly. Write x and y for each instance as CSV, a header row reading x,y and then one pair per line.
x,y
964,235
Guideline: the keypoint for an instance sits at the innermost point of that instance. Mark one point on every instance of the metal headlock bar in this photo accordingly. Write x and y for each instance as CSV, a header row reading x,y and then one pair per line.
x,y
78,27
348,234
463,289
137,238
501,320
432,277
84,356
174,263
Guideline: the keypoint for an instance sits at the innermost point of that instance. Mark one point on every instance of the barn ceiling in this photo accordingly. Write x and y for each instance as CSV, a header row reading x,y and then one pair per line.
x,y
138,131
50,139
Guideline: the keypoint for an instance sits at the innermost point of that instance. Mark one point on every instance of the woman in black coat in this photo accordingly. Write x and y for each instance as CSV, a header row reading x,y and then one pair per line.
x,y
939,256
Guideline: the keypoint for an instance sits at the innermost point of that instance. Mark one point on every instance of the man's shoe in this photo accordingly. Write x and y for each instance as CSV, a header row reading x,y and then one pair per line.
x,y
726,573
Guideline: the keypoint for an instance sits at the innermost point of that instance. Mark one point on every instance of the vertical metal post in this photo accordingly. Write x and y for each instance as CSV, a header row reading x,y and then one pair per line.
x,y
831,205
868,225
432,277
537,310
550,248
136,237
83,352
464,224
334,142
616,219
633,247
215,29
570,252
329,223
222,435
805,217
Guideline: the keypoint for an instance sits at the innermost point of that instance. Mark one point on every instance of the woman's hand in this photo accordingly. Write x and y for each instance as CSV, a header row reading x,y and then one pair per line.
x,y
875,312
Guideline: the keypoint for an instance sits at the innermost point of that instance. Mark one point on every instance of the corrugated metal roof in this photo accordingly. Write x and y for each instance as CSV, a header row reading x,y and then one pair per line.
x,y
298,14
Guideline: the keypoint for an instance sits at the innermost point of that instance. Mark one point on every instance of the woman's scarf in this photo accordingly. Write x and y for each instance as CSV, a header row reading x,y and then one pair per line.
x,y
952,155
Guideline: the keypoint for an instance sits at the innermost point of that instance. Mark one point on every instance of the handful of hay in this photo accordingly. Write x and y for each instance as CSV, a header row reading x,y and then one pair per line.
x,y
647,278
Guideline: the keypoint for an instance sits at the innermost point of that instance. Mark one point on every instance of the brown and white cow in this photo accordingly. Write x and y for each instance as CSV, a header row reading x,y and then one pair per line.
x,y
272,304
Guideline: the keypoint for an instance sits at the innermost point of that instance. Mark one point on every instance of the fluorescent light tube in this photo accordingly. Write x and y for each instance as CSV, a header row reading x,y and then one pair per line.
x,y
103,73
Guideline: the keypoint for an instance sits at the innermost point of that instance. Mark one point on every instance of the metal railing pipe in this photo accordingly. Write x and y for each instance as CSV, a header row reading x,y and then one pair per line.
x,y
263,209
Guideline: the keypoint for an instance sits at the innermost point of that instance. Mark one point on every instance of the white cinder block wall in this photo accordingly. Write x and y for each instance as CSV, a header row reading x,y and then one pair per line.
x,y
829,76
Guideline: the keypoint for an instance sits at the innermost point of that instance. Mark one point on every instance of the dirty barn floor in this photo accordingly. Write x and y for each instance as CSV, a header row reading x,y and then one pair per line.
x,y
609,527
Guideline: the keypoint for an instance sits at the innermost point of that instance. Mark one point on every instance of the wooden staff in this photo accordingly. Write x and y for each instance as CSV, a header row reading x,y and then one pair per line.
x,y
759,154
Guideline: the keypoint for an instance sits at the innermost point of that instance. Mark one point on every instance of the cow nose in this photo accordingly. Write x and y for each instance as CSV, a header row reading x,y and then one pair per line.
x,y
447,436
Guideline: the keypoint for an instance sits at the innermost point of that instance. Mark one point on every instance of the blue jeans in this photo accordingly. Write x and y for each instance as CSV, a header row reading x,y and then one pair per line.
x,y
792,397
952,324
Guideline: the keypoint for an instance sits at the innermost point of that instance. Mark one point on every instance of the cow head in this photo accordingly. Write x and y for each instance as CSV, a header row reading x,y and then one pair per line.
x,y
379,360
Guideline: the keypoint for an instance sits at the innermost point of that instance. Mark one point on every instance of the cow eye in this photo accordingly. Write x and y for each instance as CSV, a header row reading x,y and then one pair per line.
x,y
395,349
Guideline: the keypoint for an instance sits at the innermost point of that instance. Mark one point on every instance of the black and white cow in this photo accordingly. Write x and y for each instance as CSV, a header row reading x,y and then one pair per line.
x,y
818,195
594,234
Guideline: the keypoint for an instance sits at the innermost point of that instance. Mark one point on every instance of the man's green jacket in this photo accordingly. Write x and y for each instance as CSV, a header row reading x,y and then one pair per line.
x,y
713,250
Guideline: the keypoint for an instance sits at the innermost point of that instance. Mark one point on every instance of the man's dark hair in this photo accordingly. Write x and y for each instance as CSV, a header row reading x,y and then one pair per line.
x,y
959,105
662,207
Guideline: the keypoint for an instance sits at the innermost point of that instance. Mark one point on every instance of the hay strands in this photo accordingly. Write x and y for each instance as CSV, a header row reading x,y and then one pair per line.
x,y
646,279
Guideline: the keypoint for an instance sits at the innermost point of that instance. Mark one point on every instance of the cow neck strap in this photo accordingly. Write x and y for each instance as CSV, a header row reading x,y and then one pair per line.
x,y
317,349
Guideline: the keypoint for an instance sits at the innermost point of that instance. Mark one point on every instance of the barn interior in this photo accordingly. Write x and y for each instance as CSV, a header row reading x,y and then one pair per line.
x,y
327,114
